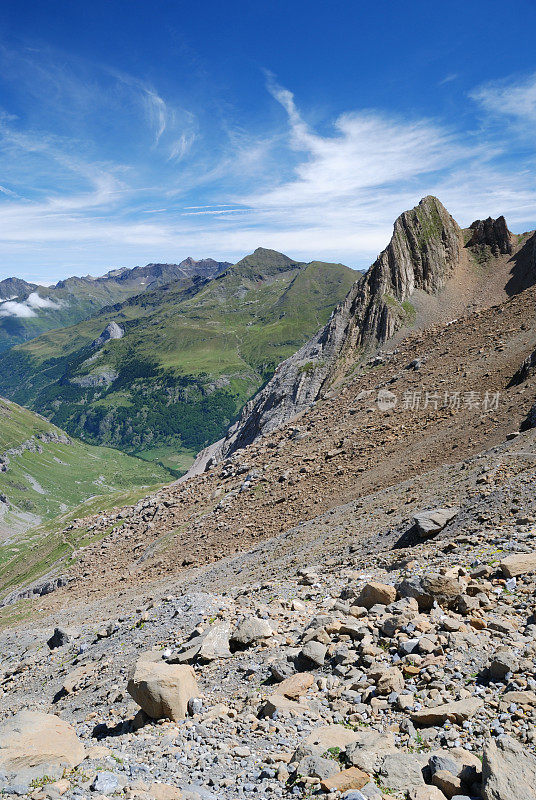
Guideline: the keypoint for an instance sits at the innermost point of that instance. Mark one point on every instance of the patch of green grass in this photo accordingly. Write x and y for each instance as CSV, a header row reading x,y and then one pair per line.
x,y
405,309
192,355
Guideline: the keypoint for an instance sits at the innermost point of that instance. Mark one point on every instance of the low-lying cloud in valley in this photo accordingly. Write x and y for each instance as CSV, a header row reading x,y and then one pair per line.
x,y
27,308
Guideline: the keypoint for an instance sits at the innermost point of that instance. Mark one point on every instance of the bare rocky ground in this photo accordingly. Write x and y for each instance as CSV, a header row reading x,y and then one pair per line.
x,y
345,608
365,657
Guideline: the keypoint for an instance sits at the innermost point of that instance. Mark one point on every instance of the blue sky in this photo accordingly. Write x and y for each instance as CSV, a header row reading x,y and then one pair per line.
x,y
135,131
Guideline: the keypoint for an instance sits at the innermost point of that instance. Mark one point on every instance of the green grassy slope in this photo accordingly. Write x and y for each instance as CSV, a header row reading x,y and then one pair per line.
x,y
44,475
75,299
192,354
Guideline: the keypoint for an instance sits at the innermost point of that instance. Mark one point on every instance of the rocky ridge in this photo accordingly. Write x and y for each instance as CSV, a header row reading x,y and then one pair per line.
x,y
397,673
425,252
341,609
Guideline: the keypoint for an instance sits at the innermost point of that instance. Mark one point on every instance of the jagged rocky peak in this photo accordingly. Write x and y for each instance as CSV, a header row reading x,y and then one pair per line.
x,y
492,233
111,331
424,250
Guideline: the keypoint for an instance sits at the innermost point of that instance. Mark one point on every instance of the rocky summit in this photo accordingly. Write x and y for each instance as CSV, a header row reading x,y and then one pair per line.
x,y
338,600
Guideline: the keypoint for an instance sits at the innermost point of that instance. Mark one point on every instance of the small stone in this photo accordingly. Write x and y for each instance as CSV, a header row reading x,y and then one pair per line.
x,y
315,652
105,782
352,778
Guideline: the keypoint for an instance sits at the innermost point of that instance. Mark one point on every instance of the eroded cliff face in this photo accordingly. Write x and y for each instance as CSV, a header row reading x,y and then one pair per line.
x,y
423,252
493,234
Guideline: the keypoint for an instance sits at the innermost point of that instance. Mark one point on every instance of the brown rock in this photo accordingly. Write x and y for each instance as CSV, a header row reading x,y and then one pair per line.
x,y
508,770
31,740
447,782
352,778
162,690
280,703
426,793
374,592
458,711
518,564
524,698
164,791
296,685
328,736
388,680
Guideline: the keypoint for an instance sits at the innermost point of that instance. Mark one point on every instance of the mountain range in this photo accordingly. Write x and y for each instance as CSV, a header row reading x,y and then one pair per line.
x,y
27,309
443,312
431,271
163,373
336,600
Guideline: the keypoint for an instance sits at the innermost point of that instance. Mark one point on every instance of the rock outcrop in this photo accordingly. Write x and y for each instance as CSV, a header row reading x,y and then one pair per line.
x,y
492,233
527,369
111,331
423,252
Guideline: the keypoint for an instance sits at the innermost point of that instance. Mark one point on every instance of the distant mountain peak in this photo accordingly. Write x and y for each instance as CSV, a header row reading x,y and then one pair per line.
x,y
264,262
423,252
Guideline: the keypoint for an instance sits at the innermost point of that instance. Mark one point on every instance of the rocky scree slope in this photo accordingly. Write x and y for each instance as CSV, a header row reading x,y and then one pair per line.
x,y
343,448
371,672
428,253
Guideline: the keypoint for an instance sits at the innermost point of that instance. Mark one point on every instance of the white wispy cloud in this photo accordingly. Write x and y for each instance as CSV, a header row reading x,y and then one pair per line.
x,y
330,192
448,78
516,99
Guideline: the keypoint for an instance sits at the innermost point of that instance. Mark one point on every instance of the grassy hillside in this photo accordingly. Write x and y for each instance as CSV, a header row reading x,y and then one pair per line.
x,y
192,353
45,475
27,310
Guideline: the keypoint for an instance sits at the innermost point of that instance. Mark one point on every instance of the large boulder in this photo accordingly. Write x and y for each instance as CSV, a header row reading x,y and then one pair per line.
x,y
251,630
38,744
401,771
458,711
434,587
431,522
518,564
508,770
208,646
296,685
375,592
162,690
328,736
369,748
346,780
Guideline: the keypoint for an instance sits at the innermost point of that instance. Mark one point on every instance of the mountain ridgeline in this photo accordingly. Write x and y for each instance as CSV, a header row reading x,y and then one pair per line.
x,y
431,270
163,373
27,309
